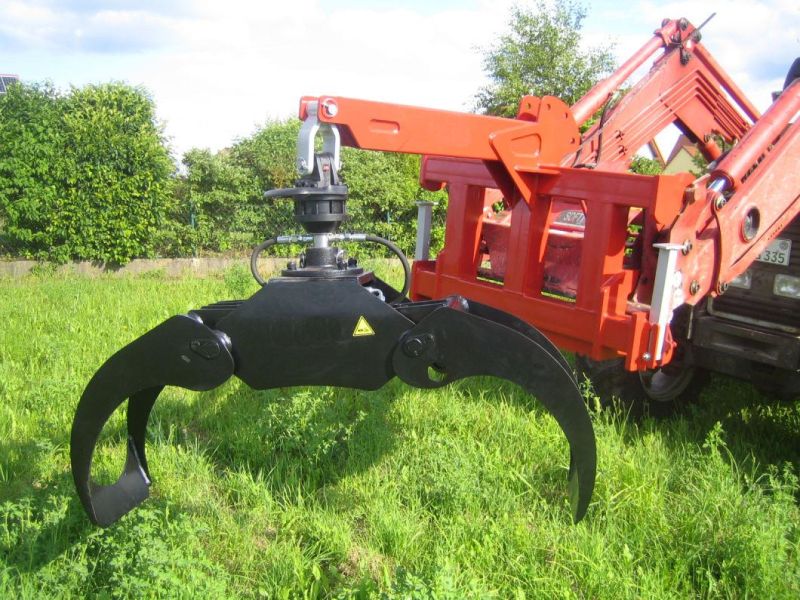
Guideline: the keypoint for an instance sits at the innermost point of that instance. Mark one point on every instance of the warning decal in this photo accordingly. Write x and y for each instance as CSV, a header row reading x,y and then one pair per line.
x,y
363,328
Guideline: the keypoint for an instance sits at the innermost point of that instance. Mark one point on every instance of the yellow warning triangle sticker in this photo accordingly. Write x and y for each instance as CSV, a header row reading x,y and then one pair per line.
x,y
363,328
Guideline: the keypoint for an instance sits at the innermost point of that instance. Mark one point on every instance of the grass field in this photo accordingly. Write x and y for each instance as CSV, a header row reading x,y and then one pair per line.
x,y
398,493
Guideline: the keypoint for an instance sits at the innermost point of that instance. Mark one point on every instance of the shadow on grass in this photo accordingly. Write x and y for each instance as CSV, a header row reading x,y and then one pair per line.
x,y
41,523
308,439
758,430
304,438
303,441
48,547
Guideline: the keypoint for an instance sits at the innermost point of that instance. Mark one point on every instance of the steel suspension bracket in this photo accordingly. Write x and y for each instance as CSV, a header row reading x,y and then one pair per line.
x,y
320,331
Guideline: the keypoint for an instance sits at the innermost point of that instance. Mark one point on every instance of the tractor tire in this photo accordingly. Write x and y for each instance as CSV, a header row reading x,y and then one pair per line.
x,y
658,394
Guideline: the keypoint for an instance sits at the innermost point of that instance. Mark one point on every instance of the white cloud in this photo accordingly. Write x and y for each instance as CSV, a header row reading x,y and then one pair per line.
x,y
755,41
232,73
219,69
59,28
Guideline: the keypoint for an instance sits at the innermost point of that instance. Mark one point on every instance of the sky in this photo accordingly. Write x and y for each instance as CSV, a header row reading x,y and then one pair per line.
x,y
217,70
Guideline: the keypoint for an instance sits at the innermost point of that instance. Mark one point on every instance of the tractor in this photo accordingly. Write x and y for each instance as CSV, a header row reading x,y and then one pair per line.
x,y
551,244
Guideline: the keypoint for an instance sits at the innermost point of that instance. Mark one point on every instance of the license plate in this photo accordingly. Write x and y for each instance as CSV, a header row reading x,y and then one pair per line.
x,y
777,253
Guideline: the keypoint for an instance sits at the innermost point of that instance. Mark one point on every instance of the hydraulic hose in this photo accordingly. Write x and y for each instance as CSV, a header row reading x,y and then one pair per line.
x,y
399,253
369,238
254,258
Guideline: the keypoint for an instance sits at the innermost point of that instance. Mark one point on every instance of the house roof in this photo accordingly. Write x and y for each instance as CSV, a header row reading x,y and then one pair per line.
x,y
656,152
682,143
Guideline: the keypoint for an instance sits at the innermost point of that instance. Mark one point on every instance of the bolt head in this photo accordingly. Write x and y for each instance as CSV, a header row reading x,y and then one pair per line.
x,y
647,356
416,346
330,108
413,347
206,348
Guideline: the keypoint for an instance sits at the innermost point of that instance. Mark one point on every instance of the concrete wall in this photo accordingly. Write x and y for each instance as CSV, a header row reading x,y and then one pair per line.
x,y
173,267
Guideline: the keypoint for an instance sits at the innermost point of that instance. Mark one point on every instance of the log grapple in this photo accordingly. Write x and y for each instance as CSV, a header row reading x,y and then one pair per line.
x,y
323,321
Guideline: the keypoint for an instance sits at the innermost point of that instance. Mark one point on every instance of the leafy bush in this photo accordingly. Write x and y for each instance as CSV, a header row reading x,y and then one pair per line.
x,y
218,191
83,175
221,194
31,142
646,166
383,190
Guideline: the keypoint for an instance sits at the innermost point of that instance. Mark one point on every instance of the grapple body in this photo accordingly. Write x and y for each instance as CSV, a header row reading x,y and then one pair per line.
x,y
320,331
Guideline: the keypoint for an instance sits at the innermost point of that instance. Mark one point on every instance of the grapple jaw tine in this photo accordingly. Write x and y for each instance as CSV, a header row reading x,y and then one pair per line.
x,y
106,504
181,351
468,339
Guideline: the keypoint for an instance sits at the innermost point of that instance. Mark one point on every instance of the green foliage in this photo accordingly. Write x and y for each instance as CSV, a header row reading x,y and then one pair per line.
x,y
31,143
218,191
240,282
383,190
268,156
645,166
222,193
83,175
699,165
541,55
218,204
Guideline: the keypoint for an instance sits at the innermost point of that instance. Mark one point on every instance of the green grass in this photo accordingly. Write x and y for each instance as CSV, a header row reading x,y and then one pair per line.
x,y
400,493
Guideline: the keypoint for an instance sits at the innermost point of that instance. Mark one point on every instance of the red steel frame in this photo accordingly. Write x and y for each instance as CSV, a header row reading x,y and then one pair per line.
x,y
532,160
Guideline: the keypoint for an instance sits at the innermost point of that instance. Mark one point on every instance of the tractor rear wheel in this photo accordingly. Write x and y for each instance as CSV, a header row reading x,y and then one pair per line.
x,y
658,393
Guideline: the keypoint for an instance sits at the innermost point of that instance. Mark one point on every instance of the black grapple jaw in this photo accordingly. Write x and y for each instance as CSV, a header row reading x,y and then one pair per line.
x,y
321,331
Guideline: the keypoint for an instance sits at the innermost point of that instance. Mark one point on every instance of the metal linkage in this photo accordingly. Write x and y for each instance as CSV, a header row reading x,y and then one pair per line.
x,y
747,200
667,296
424,223
312,126
685,86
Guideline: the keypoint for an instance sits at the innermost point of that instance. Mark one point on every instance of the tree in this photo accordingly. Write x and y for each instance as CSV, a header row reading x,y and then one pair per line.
x,y
82,175
223,193
541,55
383,188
